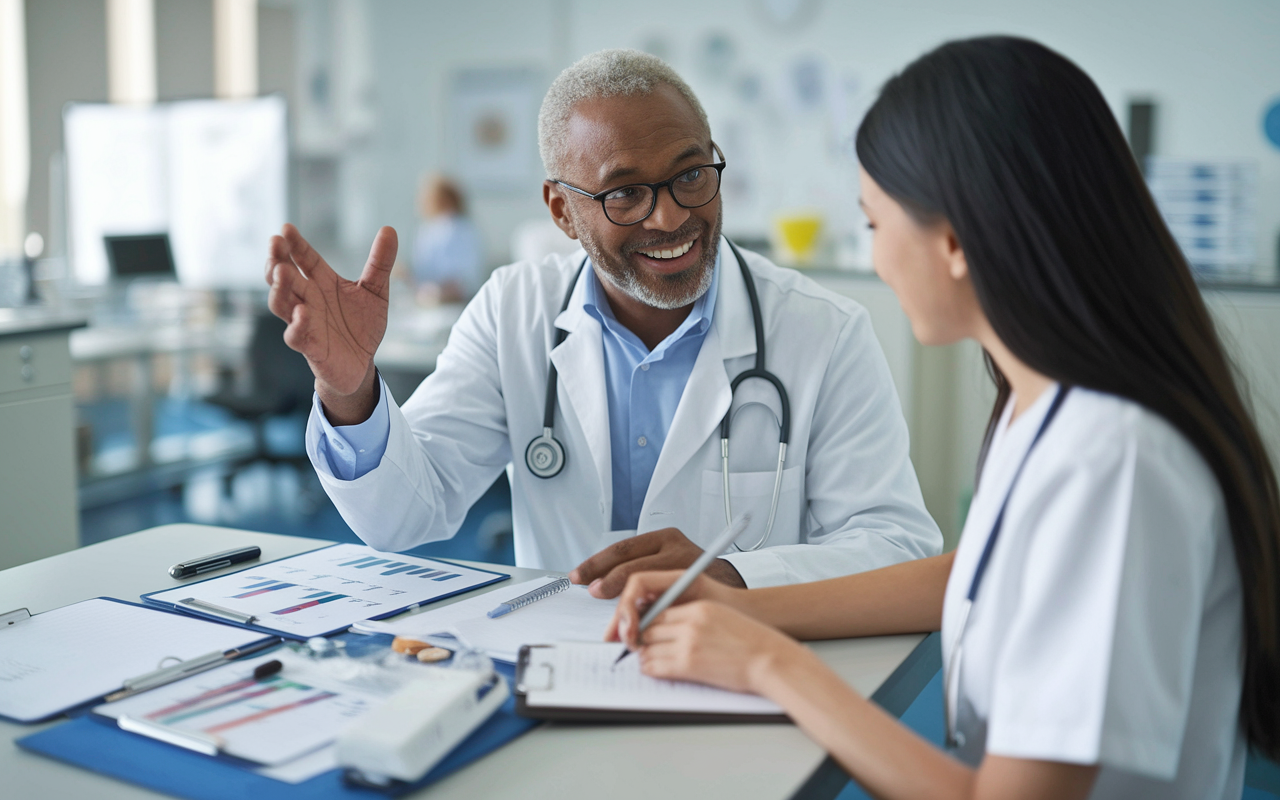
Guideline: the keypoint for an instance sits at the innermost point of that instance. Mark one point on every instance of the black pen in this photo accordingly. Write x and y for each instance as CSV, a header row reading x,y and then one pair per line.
x,y
226,558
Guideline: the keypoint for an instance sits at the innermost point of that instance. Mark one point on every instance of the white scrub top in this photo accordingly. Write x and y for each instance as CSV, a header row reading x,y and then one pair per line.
x,y
1108,628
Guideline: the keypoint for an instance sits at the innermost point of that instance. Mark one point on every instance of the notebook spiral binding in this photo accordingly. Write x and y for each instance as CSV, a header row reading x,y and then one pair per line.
x,y
540,593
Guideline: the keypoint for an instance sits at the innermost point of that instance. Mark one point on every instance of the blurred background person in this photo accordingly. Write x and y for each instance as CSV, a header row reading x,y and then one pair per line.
x,y
447,249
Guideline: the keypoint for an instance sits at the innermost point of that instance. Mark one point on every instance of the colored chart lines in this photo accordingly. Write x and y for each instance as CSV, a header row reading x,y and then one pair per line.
x,y
312,600
231,695
388,567
269,712
262,588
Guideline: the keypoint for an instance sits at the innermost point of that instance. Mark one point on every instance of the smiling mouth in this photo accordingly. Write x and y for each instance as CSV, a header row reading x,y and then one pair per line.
x,y
669,253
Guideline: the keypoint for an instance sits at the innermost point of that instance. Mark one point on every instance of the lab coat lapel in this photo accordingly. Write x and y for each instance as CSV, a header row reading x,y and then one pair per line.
x,y
707,396
579,362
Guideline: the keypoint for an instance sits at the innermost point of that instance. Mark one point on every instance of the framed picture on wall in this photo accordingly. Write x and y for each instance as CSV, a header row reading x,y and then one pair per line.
x,y
494,128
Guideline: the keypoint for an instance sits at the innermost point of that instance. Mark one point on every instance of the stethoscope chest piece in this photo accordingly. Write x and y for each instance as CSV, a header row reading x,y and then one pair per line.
x,y
545,455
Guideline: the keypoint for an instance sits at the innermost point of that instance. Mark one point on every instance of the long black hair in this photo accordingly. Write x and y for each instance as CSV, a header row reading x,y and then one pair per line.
x,y
1015,147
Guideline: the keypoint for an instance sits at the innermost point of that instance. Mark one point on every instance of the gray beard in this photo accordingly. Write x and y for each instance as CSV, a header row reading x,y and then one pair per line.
x,y
673,291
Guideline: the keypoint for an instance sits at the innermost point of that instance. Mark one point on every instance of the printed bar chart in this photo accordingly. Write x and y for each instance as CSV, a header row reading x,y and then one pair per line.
x,y
310,603
326,590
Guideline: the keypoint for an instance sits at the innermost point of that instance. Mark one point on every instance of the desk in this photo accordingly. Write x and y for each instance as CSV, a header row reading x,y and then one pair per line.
x,y
556,761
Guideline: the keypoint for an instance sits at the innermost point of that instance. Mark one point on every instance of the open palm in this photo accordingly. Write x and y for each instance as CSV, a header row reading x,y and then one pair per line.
x,y
336,323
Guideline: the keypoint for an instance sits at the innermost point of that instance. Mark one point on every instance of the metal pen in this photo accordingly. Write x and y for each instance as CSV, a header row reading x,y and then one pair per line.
x,y
726,538
191,666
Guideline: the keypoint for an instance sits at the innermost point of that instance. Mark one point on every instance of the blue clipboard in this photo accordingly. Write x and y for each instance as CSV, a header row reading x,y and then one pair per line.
x,y
150,599
94,744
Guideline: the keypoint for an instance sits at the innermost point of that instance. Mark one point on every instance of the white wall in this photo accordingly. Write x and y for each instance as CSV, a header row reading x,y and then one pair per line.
x,y
1212,67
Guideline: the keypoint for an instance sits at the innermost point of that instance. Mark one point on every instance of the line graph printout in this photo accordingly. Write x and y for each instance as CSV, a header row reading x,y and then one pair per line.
x,y
270,721
316,593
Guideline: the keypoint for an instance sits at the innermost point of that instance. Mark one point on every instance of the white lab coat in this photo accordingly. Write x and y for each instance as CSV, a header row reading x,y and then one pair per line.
x,y
850,500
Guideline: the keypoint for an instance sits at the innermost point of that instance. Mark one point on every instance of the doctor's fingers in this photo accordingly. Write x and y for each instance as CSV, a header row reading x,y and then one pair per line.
x,y
376,276
613,582
602,562
312,265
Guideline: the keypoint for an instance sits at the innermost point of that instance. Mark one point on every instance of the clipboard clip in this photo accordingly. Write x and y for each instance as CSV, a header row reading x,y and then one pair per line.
x,y
203,607
188,740
523,684
14,617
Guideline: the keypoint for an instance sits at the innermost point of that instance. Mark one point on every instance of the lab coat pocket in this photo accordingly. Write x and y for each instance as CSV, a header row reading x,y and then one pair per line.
x,y
753,491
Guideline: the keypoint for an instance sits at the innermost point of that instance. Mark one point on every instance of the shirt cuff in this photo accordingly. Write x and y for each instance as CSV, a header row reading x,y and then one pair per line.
x,y
352,451
760,568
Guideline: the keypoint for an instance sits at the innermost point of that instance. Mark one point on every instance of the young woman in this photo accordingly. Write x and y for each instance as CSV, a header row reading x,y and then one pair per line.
x,y
1109,620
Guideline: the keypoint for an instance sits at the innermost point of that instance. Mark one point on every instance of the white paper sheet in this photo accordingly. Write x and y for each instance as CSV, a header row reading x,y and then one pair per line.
x,y
272,721
575,675
78,653
569,616
329,589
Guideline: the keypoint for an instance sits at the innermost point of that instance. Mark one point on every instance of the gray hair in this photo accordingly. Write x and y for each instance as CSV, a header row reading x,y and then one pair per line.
x,y
606,73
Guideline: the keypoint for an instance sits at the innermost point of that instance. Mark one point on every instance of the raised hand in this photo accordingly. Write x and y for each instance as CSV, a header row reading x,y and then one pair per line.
x,y
336,323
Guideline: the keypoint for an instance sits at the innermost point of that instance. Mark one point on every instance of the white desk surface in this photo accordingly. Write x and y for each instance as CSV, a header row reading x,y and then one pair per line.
x,y
556,761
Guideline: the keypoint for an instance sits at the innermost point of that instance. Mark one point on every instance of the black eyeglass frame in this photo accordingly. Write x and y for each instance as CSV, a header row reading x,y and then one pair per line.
x,y
655,188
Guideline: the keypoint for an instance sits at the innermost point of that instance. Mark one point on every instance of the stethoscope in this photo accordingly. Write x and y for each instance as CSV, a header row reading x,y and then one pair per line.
x,y
545,456
951,680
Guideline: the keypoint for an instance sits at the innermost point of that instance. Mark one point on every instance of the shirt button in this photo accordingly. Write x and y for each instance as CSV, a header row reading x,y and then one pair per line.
x,y
338,445
361,449
644,367
642,441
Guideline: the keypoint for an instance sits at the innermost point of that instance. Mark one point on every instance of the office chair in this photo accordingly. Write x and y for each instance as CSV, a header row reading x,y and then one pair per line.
x,y
282,384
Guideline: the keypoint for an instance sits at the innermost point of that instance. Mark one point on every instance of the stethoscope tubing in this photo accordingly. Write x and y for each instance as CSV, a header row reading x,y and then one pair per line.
x,y
549,449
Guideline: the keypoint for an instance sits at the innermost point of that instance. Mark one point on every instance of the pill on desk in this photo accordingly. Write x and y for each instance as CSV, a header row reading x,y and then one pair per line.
x,y
433,654
267,670
403,644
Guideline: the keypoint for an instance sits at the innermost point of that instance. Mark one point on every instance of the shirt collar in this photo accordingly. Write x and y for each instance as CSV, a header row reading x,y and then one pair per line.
x,y
596,303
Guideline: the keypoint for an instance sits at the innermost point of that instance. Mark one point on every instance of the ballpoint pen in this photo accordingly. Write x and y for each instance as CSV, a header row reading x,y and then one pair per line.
x,y
726,537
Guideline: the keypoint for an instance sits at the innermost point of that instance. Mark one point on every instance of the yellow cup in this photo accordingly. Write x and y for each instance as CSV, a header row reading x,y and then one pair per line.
x,y
796,236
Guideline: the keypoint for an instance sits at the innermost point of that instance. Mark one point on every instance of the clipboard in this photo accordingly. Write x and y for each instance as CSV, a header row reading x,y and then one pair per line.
x,y
530,678
387,568
85,679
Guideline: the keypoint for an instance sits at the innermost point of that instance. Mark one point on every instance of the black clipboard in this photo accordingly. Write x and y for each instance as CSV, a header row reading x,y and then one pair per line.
x,y
556,714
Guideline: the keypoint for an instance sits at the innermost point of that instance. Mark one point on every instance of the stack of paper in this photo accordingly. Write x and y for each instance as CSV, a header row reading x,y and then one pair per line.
x,y
569,616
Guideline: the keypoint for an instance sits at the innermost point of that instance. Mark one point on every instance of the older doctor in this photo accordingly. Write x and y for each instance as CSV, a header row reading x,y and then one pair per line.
x,y
645,328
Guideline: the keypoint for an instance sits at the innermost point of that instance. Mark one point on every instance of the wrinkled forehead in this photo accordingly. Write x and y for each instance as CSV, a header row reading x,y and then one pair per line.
x,y
634,139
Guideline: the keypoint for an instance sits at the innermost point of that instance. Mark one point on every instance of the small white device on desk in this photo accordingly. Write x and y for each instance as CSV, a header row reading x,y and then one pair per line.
x,y
403,738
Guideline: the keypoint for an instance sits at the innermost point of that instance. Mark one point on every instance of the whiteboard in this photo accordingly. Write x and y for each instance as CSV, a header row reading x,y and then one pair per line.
x,y
212,173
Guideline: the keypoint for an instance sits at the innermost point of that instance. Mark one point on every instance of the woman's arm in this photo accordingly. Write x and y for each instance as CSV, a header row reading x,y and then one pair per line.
x,y
713,644
903,598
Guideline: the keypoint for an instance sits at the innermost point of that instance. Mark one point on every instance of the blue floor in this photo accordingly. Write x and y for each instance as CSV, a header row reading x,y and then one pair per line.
x,y
282,498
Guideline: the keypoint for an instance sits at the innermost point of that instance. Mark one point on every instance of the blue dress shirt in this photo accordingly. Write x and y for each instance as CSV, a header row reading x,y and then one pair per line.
x,y
643,387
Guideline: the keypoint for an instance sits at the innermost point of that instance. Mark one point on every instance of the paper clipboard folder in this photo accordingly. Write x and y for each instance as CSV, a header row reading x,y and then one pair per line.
x,y
534,678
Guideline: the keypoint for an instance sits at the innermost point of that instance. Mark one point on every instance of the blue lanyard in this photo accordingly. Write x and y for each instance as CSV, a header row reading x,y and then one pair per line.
x,y
999,523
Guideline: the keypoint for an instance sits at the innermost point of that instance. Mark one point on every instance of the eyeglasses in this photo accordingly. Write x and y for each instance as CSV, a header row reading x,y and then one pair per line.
x,y
633,203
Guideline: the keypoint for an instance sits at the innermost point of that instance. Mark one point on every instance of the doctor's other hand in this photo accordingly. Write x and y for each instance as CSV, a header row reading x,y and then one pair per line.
x,y
711,643
336,323
606,572
643,590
